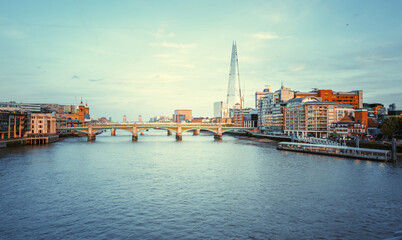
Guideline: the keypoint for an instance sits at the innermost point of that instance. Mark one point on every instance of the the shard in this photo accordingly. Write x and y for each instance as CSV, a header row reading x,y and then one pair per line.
x,y
234,91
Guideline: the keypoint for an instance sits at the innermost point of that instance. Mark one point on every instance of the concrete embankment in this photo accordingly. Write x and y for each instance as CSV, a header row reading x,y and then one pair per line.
x,y
12,143
261,136
31,140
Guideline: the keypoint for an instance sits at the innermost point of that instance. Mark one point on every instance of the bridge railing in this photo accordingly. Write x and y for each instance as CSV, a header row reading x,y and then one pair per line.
x,y
163,124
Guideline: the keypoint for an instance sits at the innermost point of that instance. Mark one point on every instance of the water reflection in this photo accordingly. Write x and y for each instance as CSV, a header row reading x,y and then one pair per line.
x,y
197,188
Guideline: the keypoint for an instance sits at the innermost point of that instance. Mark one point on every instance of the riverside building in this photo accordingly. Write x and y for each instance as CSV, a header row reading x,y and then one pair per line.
x,y
271,108
43,123
181,115
352,125
311,117
239,114
13,123
354,98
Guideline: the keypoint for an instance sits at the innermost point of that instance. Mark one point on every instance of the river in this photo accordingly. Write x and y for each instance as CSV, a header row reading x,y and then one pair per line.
x,y
199,188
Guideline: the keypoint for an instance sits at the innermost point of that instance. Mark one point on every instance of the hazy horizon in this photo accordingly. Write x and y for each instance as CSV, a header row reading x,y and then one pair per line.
x,y
151,57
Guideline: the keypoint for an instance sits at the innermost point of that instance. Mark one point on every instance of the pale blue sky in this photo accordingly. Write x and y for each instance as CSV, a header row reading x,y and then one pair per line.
x,y
152,57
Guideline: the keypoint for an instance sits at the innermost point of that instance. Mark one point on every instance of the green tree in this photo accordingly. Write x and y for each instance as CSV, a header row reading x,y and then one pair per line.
x,y
392,127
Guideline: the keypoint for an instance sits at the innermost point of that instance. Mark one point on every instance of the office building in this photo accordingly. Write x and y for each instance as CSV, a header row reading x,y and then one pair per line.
x,y
181,115
354,98
221,110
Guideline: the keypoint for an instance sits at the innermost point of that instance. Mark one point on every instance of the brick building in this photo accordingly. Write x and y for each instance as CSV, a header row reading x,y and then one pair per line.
x,y
354,98
182,115
309,116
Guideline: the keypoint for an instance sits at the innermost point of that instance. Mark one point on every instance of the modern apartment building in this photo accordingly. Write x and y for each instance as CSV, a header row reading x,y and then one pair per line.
x,y
272,108
251,119
43,123
13,123
238,116
309,116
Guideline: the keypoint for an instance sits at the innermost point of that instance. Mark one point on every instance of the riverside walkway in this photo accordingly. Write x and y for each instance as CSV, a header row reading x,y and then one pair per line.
x,y
178,128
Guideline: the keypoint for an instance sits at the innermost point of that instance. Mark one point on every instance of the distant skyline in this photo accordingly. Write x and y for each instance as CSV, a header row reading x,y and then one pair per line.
x,y
151,57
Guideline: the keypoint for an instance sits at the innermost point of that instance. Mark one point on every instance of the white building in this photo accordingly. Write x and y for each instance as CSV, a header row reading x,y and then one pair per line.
x,y
221,110
271,108
42,123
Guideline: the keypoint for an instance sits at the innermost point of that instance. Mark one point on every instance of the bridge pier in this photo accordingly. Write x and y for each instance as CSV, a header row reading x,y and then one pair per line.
x,y
91,135
179,135
113,132
135,133
169,133
218,135
196,132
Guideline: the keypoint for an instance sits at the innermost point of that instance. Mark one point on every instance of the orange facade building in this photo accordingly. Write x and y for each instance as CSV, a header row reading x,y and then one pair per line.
x,y
182,115
354,98
77,118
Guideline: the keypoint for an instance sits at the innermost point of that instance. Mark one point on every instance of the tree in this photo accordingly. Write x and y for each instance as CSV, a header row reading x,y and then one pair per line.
x,y
392,127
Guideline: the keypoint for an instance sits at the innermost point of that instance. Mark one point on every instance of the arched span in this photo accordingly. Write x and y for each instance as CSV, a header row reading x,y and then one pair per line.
x,y
125,129
144,129
192,129
210,130
251,132
230,130
81,131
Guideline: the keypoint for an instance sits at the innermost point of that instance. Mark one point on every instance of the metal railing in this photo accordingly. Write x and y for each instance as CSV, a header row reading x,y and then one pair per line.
x,y
314,140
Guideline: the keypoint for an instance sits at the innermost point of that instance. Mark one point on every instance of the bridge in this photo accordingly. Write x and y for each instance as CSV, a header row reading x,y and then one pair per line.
x,y
178,128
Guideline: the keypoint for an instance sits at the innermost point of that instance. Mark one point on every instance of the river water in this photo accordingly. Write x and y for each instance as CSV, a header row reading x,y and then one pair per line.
x,y
199,188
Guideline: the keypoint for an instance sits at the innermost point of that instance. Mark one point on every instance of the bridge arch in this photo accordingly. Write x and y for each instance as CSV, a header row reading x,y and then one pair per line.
x,y
140,129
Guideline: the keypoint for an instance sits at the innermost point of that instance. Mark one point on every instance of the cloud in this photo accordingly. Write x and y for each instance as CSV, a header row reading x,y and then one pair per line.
x,y
163,56
95,80
297,68
269,35
161,33
172,45
75,77
178,64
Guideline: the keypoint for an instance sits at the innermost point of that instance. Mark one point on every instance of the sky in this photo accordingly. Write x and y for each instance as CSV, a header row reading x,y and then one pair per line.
x,y
148,57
